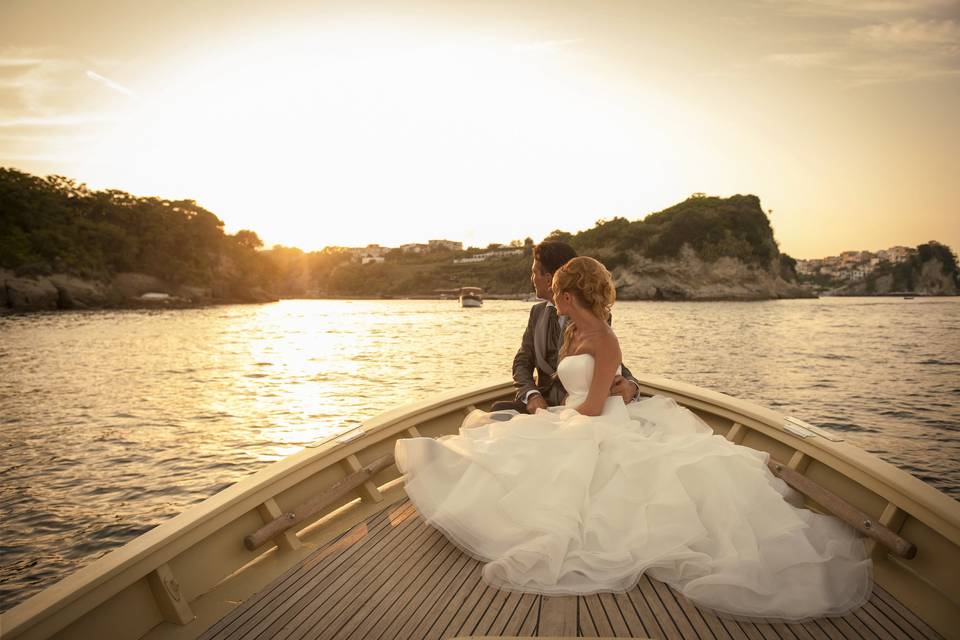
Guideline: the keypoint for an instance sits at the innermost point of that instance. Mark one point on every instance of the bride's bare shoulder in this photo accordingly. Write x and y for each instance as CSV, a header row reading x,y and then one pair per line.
x,y
611,344
603,343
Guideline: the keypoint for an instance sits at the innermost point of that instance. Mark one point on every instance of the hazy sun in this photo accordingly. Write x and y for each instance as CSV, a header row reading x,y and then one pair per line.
x,y
348,138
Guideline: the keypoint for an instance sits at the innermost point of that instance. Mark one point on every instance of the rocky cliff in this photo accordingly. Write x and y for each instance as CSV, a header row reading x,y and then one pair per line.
x,y
689,277
123,290
703,248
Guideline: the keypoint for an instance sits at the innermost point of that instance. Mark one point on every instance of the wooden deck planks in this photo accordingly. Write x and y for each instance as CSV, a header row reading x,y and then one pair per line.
x,y
914,623
327,611
674,610
629,614
412,596
523,621
395,577
323,590
441,614
408,621
285,586
390,595
559,616
456,619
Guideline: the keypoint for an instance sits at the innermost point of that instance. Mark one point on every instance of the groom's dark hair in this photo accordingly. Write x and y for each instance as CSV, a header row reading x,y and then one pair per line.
x,y
552,255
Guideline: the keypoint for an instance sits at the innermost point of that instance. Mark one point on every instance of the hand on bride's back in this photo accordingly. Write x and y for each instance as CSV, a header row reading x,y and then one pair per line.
x,y
623,388
535,402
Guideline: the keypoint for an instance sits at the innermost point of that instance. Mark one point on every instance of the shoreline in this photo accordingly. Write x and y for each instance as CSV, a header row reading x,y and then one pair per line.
x,y
137,291
158,305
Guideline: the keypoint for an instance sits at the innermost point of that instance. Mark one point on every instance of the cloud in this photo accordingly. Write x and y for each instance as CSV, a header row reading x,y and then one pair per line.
x,y
898,50
116,86
41,88
53,121
886,73
858,7
910,33
804,60
19,62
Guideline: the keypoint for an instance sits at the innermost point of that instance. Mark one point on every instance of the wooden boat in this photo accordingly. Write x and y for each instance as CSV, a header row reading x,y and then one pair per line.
x,y
344,554
471,297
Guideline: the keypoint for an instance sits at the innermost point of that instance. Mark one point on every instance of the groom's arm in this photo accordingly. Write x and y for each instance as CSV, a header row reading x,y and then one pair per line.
x,y
523,363
625,384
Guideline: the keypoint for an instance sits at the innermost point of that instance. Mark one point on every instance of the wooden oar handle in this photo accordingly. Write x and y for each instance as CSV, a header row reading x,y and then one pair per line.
x,y
329,495
844,510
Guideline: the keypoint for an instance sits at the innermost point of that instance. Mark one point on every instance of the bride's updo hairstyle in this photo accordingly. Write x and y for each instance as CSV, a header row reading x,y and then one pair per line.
x,y
591,284
589,281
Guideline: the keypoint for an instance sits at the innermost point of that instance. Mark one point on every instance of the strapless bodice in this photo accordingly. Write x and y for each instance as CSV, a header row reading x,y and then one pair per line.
x,y
576,374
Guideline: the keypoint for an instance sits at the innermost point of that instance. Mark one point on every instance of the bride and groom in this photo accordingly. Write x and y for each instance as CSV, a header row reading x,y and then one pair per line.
x,y
588,494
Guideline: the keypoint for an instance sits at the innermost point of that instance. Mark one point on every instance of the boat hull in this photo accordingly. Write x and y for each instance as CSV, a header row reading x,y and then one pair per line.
x,y
182,576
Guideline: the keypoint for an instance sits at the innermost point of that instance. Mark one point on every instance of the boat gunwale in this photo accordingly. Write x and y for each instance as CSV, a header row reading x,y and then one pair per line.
x,y
136,559
121,568
920,500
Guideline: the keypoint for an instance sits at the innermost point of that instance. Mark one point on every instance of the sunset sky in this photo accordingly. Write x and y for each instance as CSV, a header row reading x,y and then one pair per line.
x,y
345,123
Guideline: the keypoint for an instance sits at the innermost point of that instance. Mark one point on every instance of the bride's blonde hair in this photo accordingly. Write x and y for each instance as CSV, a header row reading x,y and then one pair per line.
x,y
588,281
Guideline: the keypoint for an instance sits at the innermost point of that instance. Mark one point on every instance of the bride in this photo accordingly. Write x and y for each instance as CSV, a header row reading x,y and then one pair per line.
x,y
588,497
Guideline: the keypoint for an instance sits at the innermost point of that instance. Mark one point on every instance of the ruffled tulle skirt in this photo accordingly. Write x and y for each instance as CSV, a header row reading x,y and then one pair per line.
x,y
559,503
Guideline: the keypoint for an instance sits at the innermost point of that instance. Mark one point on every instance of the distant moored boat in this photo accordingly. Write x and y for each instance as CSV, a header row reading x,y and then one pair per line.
x,y
471,297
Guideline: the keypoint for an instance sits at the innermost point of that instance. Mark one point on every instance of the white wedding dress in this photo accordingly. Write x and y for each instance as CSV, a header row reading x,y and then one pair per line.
x,y
560,503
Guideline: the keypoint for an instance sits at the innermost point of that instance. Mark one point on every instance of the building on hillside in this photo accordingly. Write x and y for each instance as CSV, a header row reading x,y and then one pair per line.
x,y
361,254
859,272
449,245
807,267
481,257
899,254
373,259
848,258
414,247
370,250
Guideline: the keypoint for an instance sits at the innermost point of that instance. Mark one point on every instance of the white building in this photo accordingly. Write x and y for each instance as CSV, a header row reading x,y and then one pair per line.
x,y
449,245
899,254
859,272
807,267
481,257
371,250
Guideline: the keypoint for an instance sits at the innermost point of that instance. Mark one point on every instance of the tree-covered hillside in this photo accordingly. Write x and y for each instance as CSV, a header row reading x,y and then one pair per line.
x,y
713,228
734,227
53,224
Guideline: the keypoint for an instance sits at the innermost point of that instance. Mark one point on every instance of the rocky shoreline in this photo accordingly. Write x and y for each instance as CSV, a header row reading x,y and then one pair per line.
x,y
688,277
61,291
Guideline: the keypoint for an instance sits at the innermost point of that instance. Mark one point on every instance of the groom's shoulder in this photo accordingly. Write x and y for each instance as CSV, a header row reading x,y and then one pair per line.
x,y
538,308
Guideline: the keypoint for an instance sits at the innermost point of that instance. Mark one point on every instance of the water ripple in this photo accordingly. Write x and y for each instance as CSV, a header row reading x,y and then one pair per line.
x,y
114,421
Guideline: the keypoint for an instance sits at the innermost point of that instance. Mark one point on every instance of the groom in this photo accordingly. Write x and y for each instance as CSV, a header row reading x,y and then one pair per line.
x,y
540,346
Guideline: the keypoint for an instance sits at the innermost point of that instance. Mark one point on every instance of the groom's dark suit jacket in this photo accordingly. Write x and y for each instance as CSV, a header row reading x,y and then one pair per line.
x,y
538,354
